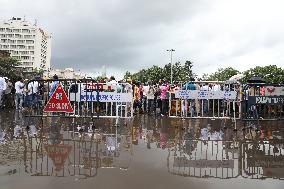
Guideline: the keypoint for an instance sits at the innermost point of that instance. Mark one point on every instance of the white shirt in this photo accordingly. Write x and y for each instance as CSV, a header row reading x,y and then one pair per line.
x,y
216,87
19,87
113,84
145,90
128,88
33,87
151,93
2,84
205,88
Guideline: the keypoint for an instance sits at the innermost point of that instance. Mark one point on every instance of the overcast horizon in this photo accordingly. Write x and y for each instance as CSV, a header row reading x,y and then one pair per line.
x,y
131,35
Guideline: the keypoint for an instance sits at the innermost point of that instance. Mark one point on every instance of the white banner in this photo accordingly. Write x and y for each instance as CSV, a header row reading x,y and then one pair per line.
x,y
103,97
202,94
273,91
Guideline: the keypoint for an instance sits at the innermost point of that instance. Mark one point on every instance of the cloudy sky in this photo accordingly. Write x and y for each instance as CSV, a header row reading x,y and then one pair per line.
x,y
135,34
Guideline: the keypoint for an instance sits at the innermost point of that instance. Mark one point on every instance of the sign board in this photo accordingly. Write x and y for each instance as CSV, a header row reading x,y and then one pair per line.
x,y
202,163
58,102
103,97
273,91
88,92
58,153
91,87
266,100
204,94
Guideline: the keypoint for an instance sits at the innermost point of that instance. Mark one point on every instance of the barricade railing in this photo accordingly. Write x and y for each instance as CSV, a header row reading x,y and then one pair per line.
x,y
206,99
75,155
201,159
87,98
263,159
263,102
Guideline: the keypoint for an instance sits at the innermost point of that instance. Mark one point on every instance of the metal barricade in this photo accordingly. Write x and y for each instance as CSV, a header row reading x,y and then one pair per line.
x,y
206,99
77,154
202,159
87,98
262,102
263,159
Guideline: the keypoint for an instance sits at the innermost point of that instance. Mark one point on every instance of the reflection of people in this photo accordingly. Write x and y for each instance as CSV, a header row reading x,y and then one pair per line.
x,y
2,134
55,137
148,138
19,123
135,135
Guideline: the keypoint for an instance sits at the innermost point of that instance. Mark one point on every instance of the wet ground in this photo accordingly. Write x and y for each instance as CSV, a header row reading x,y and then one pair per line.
x,y
144,152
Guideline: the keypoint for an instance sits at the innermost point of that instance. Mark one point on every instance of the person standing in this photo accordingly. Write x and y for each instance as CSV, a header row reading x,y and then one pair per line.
x,y
19,87
8,94
163,96
145,93
206,87
53,85
150,98
191,102
33,89
2,90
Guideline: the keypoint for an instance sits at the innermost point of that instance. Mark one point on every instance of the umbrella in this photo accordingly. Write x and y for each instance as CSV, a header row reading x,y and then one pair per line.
x,y
235,78
256,79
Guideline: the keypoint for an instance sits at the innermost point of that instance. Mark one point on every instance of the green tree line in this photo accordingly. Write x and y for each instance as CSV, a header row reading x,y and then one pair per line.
x,y
182,72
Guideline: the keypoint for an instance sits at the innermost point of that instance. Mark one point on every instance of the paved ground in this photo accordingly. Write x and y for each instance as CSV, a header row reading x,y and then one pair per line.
x,y
144,152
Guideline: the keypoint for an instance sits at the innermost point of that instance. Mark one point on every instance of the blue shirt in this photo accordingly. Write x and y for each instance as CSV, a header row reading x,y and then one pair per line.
x,y
53,86
189,86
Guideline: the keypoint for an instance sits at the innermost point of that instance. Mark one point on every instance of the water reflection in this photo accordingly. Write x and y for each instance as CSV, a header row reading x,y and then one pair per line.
x,y
81,148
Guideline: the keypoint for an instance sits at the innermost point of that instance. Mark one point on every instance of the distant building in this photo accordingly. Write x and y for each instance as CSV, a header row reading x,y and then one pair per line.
x,y
28,43
67,73
4,54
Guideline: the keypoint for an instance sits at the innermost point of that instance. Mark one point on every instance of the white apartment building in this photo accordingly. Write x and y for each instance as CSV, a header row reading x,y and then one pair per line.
x,y
67,73
27,43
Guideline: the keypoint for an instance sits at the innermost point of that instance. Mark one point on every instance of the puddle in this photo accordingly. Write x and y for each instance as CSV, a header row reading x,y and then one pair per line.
x,y
144,152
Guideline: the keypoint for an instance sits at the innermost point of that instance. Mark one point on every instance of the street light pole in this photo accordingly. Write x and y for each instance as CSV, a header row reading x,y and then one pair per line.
x,y
171,50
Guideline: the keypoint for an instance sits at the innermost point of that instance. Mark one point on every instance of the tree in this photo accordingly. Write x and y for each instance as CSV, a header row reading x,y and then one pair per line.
x,y
127,75
181,72
222,74
271,74
8,68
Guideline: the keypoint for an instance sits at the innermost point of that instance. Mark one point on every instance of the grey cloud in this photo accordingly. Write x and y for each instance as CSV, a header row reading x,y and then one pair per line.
x,y
130,35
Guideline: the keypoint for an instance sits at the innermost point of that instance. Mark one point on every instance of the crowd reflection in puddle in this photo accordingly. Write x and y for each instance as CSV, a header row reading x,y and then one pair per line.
x,y
53,146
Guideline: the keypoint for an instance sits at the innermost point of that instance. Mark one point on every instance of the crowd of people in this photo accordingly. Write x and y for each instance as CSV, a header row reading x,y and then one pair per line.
x,y
19,95
155,97
148,97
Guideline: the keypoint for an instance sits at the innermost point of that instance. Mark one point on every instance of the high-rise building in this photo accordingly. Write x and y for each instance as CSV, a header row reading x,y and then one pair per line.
x,y
26,42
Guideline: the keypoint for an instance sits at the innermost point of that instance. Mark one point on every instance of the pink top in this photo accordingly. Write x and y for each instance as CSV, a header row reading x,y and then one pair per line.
x,y
164,90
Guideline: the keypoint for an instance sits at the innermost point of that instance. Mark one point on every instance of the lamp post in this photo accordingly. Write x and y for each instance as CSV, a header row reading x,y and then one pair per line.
x,y
171,50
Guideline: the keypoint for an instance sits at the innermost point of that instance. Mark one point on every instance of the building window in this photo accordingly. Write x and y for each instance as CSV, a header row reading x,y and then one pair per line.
x,y
30,41
25,31
18,36
20,41
4,40
16,30
8,30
